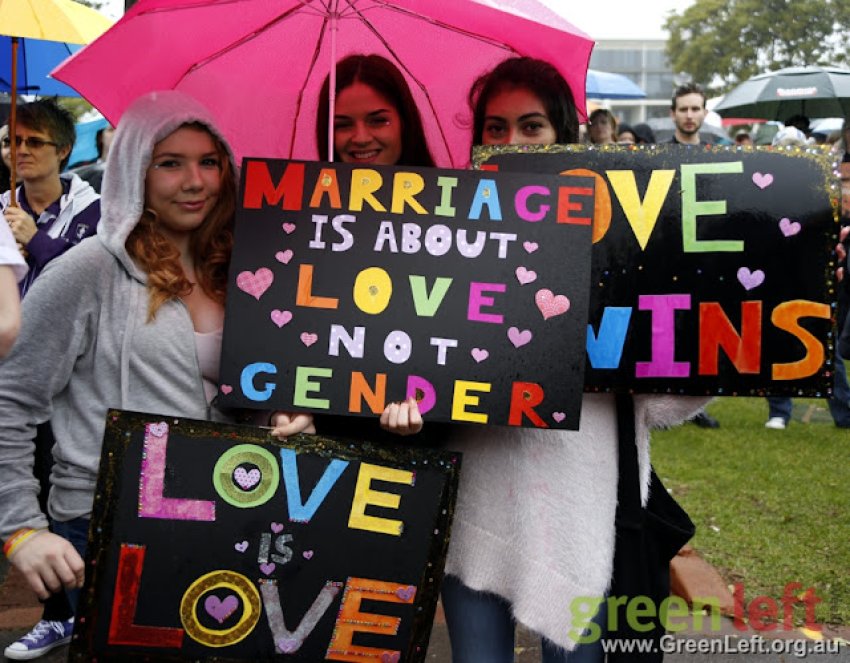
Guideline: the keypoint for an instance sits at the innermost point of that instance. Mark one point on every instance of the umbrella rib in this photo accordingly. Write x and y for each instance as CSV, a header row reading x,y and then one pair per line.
x,y
300,98
195,4
239,42
445,26
418,83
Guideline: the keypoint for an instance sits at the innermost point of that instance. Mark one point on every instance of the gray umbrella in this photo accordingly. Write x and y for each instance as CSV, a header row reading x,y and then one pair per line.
x,y
777,95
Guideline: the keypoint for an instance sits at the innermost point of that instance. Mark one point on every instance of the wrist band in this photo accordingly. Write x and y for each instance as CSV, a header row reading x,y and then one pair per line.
x,y
14,541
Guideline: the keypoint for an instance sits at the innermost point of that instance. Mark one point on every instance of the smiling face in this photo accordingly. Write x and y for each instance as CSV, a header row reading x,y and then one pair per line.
x,y
367,127
516,116
183,182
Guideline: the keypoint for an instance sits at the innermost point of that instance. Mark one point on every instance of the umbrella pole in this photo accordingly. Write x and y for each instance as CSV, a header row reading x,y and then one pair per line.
x,y
334,26
14,155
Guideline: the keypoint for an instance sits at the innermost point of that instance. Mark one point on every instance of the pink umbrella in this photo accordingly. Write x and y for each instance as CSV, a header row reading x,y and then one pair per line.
x,y
259,64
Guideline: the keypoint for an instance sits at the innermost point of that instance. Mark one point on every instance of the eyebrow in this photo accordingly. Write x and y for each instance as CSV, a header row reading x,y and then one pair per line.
x,y
527,116
369,114
182,154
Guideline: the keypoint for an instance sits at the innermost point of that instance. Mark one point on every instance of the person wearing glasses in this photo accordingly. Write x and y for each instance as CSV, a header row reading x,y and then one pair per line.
x,y
55,211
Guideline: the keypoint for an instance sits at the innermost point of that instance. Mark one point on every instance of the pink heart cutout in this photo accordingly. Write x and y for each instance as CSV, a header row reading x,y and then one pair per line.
x,y
406,593
268,569
750,279
281,318
524,275
247,480
551,304
559,416
158,430
390,657
284,256
277,528
226,389
530,247
789,227
308,338
308,554
519,338
255,283
221,610
288,645
288,228
479,354
242,546
762,180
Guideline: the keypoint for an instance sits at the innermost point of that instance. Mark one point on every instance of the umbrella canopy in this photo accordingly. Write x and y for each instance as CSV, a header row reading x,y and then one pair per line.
x,y
47,20
54,20
259,65
778,95
605,85
36,59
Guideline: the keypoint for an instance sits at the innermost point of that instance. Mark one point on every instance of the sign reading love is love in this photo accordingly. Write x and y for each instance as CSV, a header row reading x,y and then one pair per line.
x,y
354,287
212,542
713,269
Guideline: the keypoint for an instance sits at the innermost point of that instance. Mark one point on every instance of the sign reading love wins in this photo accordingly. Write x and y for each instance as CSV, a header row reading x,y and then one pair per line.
x,y
211,542
713,269
354,287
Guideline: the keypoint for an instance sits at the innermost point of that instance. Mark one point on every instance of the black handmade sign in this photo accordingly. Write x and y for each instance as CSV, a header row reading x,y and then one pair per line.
x,y
712,267
213,542
354,287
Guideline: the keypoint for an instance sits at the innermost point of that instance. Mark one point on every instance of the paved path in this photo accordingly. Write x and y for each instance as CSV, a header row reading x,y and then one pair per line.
x,y
19,610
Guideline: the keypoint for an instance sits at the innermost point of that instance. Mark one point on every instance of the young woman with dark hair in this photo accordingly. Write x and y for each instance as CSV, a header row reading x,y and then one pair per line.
x,y
376,120
534,528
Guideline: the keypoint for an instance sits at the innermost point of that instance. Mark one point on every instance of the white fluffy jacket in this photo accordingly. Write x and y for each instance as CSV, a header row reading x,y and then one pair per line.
x,y
534,521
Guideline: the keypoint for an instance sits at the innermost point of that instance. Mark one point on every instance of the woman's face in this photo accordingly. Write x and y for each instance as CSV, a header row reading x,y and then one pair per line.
x,y
626,138
183,181
516,116
600,130
367,127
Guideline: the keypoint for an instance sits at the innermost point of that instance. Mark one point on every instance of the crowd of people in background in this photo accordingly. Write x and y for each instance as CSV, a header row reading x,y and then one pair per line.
x,y
156,274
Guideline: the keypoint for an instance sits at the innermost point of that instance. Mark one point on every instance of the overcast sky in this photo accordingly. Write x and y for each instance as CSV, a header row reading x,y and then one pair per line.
x,y
619,19
605,19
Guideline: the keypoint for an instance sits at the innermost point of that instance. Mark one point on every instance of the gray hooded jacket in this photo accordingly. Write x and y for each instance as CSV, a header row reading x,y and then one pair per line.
x,y
86,345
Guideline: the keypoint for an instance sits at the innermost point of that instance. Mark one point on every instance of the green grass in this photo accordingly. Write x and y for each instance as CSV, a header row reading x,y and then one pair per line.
x,y
771,507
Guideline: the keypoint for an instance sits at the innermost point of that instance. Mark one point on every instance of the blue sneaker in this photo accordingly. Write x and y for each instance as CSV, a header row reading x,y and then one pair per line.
x,y
43,637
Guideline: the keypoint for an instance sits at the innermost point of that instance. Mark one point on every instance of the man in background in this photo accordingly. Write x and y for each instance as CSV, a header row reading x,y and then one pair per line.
x,y
688,112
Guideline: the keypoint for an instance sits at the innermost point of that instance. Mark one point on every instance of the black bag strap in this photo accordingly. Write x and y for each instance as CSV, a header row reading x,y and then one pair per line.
x,y
630,511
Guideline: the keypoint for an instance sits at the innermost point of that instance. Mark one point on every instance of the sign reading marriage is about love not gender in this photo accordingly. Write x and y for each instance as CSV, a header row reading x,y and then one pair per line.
x,y
354,287
214,542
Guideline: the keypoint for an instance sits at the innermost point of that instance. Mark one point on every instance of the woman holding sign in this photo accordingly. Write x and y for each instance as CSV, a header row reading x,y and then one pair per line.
x,y
533,534
141,331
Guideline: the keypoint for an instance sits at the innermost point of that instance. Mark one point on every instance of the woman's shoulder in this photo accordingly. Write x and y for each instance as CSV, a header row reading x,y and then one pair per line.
x,y
86,264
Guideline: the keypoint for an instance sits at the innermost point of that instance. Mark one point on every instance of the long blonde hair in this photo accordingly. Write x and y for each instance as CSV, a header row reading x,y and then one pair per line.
x,y
210,245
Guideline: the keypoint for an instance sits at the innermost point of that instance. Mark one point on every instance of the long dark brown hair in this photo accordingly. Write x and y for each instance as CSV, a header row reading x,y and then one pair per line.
x,y
382,76
538,77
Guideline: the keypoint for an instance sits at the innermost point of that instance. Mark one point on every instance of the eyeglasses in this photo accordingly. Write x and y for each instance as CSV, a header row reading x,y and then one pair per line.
x,y
32,142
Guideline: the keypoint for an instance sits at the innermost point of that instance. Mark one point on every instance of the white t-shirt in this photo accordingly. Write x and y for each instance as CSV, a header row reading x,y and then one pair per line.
x,y
9,254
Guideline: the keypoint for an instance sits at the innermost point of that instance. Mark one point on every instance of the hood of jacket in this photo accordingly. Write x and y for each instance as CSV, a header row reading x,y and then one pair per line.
x,y
148,120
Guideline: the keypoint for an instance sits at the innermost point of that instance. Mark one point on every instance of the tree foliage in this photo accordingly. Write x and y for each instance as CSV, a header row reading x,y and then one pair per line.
x,y
720,43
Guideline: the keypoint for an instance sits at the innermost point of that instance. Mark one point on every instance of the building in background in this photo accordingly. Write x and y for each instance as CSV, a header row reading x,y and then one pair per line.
x,y
645,62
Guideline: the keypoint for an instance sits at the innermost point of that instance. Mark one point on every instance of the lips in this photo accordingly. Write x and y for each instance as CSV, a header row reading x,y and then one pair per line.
x,y
192,205
363,155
